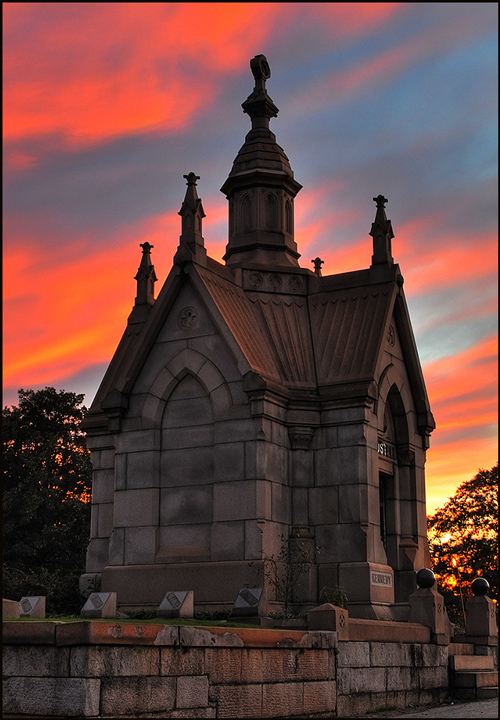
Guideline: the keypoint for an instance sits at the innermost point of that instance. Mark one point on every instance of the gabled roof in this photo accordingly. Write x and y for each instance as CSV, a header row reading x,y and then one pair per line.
x,y
329,338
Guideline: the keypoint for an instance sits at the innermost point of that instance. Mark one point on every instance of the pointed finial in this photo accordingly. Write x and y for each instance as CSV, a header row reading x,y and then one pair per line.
x,y
192,214
146,277
382,234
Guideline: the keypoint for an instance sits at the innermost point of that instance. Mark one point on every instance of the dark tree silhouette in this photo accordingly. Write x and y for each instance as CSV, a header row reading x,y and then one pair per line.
x,y
463,540
47,485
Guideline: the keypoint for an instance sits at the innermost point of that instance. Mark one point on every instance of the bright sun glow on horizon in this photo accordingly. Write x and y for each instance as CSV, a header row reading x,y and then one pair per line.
x,y
108,105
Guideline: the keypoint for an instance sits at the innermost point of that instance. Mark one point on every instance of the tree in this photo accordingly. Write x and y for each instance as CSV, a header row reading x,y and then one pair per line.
x,y
463,541
46,508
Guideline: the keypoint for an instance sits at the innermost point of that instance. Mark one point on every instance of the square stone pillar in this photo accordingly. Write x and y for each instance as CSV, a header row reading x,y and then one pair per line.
x,y
480,622
427,608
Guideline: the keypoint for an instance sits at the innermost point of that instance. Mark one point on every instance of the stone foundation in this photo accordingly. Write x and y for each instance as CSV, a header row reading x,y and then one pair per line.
x,y
122,669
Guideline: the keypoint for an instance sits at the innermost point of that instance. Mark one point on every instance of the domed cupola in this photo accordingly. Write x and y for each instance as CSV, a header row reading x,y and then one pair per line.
x,y
261,188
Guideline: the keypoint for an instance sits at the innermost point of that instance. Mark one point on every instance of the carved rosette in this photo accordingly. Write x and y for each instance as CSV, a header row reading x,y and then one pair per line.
x,y
188,318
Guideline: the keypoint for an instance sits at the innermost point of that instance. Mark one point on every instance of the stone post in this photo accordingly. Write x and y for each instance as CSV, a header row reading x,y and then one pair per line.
x,y
329,617
427,608
480,622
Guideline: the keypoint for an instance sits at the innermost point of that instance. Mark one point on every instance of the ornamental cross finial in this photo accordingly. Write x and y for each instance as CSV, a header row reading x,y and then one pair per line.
x,y
260,70
318,262
191,178
380,200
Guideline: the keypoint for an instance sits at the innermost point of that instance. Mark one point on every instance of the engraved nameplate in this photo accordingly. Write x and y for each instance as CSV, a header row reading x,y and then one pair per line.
x,y
380,578
248,597
386,449
26,605
96,601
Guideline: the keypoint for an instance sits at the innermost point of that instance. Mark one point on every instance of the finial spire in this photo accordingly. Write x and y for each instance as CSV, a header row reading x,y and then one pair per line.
x,y
382,234
191,230
261,188
145,277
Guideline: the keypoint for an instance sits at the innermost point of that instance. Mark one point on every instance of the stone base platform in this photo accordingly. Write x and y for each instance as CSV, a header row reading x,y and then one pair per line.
x,y
114,668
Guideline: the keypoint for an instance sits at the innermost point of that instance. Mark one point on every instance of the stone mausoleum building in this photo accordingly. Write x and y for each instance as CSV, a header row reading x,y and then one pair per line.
x,y
257,409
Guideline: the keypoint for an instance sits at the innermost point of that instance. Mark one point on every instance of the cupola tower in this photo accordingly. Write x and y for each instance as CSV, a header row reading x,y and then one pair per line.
x,y
261,188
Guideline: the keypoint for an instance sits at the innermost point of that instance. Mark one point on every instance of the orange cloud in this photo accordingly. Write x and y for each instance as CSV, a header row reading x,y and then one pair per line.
x,y
462,390
449,465
148,65
72,312
458,261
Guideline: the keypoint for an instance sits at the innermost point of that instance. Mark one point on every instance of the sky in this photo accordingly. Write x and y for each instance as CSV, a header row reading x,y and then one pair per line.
x,y
108,105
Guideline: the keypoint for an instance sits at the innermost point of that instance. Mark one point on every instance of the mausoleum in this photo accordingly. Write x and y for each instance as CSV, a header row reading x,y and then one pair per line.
x,y
257,410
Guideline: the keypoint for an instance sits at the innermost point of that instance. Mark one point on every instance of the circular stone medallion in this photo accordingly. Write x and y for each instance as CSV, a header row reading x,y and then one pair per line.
x,y
188,318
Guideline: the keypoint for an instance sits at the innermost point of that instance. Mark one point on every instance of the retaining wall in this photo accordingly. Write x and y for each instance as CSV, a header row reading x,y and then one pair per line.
x,y
114,669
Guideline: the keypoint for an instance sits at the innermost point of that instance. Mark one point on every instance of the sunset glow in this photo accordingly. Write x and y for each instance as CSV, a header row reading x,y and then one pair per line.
x,y
108,105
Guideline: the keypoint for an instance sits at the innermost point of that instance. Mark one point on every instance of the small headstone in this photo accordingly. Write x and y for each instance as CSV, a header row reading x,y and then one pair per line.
x,y
178,603
10,609
100,605
329,617
247,603
32,606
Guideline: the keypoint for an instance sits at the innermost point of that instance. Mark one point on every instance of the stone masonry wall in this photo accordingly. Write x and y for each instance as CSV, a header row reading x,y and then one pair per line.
x,y
372,675
104,669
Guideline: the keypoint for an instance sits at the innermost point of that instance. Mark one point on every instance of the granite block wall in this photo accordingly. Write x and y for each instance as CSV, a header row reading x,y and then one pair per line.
x,y
109,669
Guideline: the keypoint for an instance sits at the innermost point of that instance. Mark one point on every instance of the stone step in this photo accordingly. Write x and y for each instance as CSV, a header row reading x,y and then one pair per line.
x,y
471,662
459,648
488,678
485,693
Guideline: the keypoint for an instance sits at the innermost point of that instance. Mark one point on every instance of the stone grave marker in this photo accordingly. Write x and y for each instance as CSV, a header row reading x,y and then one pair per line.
x,y
329,617
32,606
247,603
10,609
100,605
178,603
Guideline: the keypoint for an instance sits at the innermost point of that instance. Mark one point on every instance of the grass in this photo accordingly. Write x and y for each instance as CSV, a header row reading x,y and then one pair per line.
x,y
137,621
